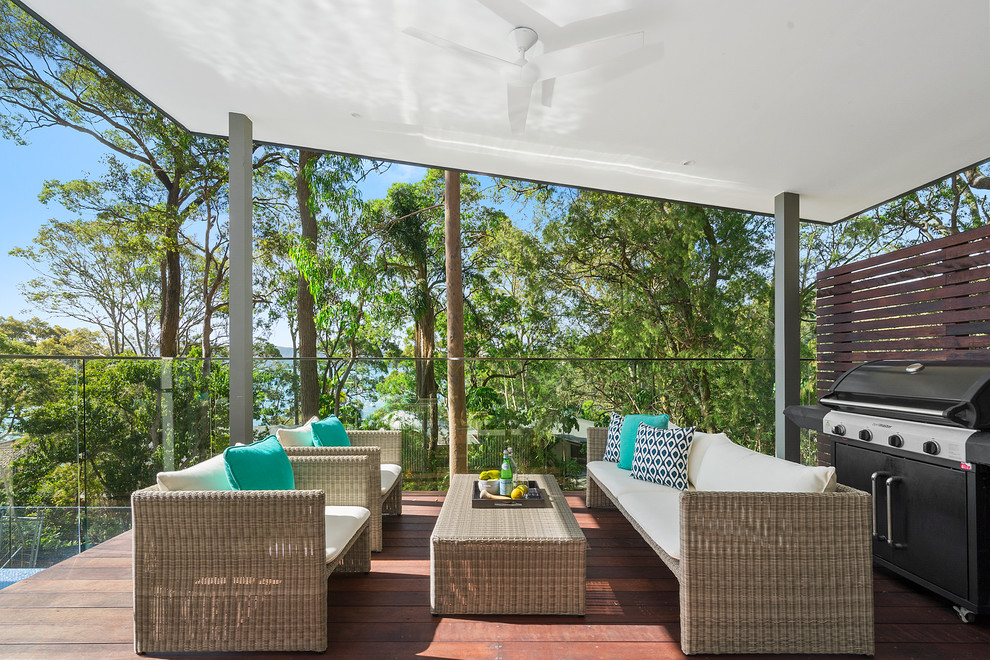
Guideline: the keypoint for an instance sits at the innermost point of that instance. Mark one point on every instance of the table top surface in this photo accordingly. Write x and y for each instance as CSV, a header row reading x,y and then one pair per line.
x,y
459,521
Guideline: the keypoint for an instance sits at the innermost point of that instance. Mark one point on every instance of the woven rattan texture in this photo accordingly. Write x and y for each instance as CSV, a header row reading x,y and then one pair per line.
x,y
767,572
372,454
507,561
243,570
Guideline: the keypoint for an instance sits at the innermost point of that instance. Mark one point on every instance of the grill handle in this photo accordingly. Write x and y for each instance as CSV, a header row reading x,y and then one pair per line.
x,y
829,400
890,512
876,528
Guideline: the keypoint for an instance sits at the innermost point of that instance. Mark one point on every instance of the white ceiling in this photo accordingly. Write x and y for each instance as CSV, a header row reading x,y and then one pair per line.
x,y
847,102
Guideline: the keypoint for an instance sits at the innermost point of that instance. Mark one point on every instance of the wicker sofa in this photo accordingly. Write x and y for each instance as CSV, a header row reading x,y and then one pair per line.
x,y
384,452
759,572
247,570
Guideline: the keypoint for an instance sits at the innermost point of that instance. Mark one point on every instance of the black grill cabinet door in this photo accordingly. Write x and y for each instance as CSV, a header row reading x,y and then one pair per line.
x,y
930,502
855,467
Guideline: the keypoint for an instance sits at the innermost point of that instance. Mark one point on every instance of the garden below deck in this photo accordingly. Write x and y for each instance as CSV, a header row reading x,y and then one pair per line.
x,y
81,608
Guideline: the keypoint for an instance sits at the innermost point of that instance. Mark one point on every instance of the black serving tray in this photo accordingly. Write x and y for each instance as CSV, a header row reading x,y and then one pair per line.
x,y
536,499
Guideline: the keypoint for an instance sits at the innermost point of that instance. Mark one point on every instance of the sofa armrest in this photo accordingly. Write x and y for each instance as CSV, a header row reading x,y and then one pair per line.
x,y
597,438
749,558
390,443
345,480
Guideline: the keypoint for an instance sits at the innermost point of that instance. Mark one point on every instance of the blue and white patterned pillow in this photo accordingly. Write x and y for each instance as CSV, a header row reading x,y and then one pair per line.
x,y
661,455
612,439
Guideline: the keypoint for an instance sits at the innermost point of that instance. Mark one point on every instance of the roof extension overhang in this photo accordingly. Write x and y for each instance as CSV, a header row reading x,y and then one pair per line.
x,y
848,103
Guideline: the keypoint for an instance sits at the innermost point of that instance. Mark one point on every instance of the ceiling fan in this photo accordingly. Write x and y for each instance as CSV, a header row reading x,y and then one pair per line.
x,y
526,70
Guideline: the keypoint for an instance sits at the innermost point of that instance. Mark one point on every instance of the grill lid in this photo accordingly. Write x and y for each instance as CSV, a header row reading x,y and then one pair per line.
x,y
954,393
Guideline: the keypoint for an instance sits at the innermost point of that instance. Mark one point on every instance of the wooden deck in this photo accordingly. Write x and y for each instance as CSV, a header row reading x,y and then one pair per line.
x,y
81,608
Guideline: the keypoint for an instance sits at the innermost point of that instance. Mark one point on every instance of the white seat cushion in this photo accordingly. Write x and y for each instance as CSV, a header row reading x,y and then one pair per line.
x,y
390,474
699,447
730,467
342,522
211,474
297,436
618,481
659,514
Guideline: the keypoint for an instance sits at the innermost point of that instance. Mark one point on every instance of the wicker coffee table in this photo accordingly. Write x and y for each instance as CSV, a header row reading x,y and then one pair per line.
x,y
506,561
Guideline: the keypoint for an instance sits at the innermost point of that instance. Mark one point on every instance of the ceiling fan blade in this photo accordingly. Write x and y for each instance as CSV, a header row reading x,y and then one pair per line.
x,y
587,55
431,38
519,97
518,13
547,92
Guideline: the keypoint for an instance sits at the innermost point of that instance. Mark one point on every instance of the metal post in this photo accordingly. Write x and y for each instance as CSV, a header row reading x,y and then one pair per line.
x,y
241,322
787,322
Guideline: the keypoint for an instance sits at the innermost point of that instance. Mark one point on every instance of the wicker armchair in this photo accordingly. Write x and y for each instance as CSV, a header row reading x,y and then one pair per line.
x,y
380,447
767,572
243,570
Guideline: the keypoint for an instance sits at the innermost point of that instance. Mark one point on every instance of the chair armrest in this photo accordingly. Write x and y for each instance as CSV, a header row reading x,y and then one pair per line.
x,y
346,480
390,443
597,437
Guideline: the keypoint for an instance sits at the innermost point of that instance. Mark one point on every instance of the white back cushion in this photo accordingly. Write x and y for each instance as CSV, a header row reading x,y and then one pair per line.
x,y
299,436
699,447
211,474
730,467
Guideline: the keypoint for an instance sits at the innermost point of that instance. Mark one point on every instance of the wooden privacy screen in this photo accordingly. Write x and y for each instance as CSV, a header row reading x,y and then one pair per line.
x,y
928,301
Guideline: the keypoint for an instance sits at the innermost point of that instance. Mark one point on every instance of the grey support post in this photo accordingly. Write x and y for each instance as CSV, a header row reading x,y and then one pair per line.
x,y
241,246
787,322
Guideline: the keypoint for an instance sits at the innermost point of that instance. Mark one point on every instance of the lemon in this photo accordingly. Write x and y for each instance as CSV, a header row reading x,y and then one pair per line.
x,y
518,494
524,488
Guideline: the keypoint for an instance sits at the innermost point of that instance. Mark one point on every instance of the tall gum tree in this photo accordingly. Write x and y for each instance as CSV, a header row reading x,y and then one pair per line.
x,y
46,83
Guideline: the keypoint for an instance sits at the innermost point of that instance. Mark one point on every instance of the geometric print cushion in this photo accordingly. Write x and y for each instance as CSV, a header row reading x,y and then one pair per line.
x,y
612,441
661,455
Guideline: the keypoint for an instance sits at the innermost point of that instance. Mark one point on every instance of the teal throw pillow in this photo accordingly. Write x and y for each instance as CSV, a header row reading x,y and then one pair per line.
x,y
627,435
261,465
330,432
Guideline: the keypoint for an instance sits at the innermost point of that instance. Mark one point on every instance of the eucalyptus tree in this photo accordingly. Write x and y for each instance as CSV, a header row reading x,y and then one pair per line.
x,y
45,83
651,279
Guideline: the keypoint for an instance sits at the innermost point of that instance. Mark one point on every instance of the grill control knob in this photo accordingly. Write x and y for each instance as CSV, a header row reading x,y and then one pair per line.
x,y
931,447
895,441
839,429
866,435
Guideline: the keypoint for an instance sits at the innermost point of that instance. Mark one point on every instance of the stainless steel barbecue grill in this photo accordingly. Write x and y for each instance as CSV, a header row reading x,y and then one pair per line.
x,y
913,433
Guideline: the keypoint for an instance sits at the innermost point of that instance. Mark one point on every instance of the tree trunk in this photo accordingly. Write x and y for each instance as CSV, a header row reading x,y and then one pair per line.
x,y
424,350
171,272
171,294
309,386
456,405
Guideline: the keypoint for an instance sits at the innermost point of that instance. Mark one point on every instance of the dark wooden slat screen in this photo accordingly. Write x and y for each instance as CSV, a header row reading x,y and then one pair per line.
x,y
929,301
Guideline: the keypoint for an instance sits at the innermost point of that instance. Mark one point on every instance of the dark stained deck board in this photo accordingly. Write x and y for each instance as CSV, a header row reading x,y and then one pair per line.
x,y
81,608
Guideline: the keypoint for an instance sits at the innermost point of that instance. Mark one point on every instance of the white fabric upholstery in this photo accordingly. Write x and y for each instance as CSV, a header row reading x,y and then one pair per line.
x,y
699,447
341,524
211,474
659,514
298,436
390,474
618,481
730,467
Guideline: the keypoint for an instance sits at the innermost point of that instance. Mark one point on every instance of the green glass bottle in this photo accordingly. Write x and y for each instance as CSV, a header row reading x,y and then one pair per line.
x,y
505,476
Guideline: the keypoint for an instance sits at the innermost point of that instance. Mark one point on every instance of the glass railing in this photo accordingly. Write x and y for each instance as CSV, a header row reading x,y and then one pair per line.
x,y
79,435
